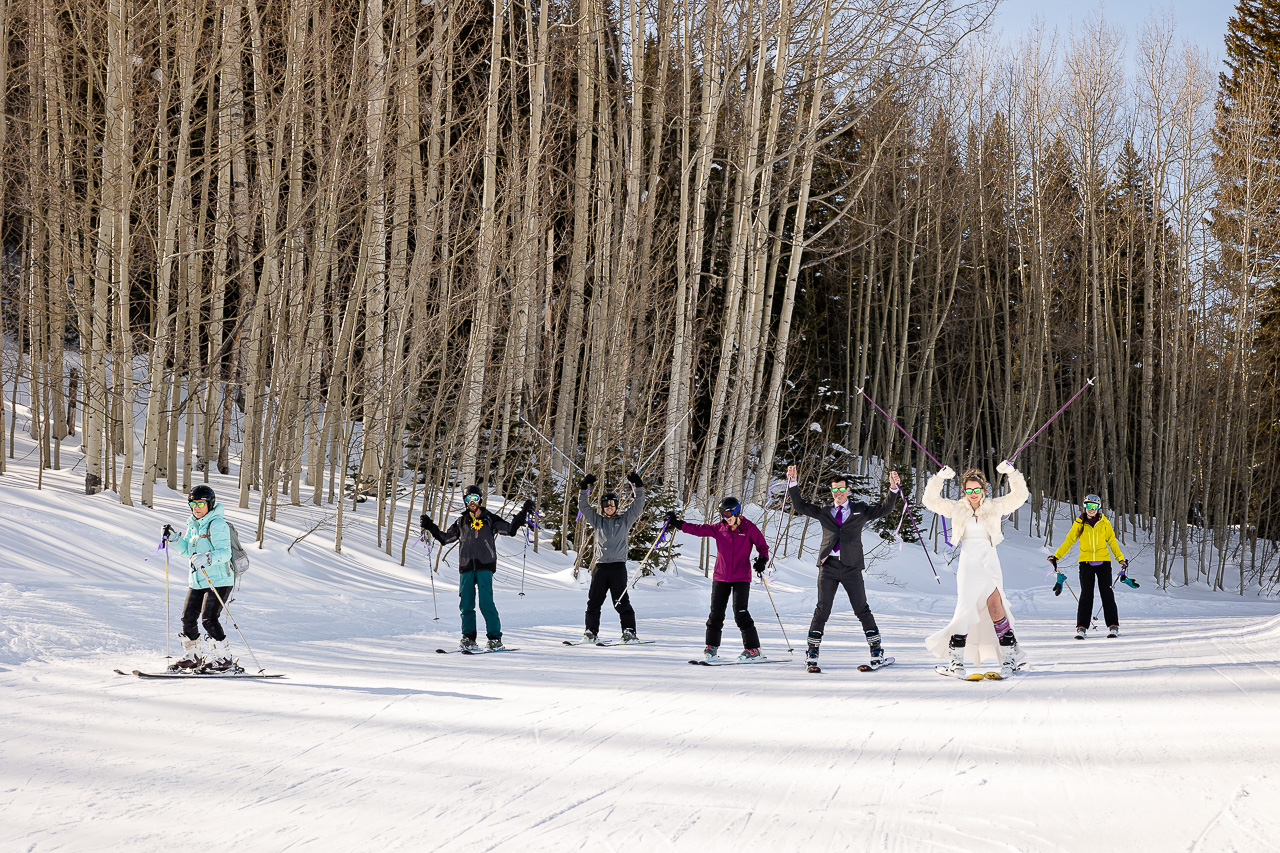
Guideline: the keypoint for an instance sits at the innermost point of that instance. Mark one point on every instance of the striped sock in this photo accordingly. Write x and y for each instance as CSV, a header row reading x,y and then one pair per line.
x,y
1002,627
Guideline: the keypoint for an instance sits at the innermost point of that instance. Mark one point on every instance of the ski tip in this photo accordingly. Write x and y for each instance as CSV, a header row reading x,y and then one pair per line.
x,y
566,642
441,651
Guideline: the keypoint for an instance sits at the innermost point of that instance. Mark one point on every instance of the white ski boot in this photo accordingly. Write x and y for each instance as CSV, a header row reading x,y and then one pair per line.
x,y
1080,633
710,652
1113,632
219,659
192,658
1011,657
955,668
588,637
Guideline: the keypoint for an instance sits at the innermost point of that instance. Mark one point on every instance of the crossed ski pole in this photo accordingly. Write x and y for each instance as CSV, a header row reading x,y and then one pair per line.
x,y
640,572
1051,420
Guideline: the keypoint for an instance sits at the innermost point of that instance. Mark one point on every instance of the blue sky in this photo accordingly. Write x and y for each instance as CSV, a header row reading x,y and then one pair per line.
x,y
1201,21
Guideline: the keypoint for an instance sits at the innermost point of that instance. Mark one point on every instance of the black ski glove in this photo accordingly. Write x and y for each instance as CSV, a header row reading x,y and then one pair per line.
x,y
586,482
168,531
672,521
428,525
1124,565
1053,560
634,479
527,507
761,565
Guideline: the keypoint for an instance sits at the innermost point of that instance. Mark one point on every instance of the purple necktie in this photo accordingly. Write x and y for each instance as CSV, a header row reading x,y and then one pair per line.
x,y
839,521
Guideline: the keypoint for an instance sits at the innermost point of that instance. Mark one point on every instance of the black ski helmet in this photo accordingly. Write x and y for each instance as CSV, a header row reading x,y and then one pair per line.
x,y
608,498
472,490
203,492
731,506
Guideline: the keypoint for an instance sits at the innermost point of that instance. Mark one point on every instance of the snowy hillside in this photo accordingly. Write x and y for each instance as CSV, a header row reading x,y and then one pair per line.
x,y
1164,739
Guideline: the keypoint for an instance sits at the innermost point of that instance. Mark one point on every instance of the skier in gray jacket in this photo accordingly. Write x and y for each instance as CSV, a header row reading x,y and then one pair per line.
x,y
609,569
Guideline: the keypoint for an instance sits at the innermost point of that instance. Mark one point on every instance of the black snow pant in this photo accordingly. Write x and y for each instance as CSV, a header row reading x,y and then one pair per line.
x,y
1084,613
202,604
611,579
831,577
720,594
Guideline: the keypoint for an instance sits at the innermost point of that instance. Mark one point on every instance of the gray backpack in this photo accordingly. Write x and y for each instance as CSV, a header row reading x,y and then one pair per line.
x,y
239,559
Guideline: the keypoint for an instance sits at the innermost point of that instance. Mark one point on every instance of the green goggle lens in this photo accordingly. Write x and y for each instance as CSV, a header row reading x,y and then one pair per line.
x,y
839,490
1092,506
973,491
198,504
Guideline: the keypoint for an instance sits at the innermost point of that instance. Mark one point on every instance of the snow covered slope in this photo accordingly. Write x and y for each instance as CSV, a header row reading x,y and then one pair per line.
x,y
1164,739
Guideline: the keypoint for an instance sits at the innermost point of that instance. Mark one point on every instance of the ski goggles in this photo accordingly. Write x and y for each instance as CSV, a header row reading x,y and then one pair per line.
x,y
1093,506
198,504
974,490
471,499
728,513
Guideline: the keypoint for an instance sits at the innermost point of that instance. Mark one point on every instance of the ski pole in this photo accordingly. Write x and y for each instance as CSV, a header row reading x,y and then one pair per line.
x,y
530,529
552,445
640,573
168,625
214,590
946,534
773,553
665,438
906,508
776,614
1051,420
431,573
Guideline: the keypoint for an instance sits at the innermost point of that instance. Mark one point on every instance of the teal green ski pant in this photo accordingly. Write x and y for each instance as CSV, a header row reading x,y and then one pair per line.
x,y
472,579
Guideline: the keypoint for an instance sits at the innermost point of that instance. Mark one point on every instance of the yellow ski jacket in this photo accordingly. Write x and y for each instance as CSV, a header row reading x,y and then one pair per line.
x,y
1094,538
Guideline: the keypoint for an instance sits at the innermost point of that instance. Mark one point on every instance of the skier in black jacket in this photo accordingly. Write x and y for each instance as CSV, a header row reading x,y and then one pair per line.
x,y
474,531
840,560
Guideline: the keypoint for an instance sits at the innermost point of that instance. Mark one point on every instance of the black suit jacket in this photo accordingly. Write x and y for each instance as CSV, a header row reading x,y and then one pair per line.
x,y
849,533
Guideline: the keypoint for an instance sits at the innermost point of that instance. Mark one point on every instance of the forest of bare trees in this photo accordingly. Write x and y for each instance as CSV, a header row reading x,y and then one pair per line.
x,y
365,250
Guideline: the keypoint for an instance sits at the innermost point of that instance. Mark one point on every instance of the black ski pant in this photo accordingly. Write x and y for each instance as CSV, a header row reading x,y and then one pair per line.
x,y
740,591
203,605
611,579
1102,573
833,575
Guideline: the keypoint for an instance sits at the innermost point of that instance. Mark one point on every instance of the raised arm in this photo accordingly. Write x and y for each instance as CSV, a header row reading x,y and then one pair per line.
x,y
632,515
589,515
932,497
1017,494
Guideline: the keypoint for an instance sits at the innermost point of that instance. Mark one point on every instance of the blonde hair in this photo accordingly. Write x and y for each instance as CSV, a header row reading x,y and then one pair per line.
x,y
977,476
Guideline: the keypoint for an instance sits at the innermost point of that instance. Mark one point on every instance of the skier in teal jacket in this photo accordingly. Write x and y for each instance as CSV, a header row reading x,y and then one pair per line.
x,y
207,544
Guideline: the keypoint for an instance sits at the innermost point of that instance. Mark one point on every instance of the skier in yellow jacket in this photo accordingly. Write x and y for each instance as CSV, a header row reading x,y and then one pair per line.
x,y
1097,544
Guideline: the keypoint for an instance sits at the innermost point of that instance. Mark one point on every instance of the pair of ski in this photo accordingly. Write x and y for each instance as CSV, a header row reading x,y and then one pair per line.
x,y
812,666
231,673
973,676
608,643
478,650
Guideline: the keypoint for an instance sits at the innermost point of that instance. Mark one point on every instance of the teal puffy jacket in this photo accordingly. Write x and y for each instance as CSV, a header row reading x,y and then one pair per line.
x,y
209,535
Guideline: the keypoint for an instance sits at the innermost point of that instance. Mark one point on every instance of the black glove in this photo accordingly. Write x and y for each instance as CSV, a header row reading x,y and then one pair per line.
x,y
427,523
527,507
761,565
672,521
586,482
1054,561
1124,564
168,531
634,479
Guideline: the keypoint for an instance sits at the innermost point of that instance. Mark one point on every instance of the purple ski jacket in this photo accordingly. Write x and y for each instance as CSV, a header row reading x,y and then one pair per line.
x,y
733,548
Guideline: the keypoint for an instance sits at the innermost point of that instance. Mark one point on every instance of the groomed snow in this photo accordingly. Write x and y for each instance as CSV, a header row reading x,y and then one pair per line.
x,y
1162,740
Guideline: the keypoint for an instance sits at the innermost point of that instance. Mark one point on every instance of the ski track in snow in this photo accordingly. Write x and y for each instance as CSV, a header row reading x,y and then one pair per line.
x,y
1161,740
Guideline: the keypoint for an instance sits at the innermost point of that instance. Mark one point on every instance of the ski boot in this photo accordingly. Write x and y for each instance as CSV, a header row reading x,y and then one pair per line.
x,y
710,652
955,668
811,658
1080,633
495,645
629,636
191,659
877,650
588,637
219,659
749,654
1113,631
468,643
1011,657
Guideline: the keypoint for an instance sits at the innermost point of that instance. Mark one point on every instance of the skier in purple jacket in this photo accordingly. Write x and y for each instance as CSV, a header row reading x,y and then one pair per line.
x,y
734,536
